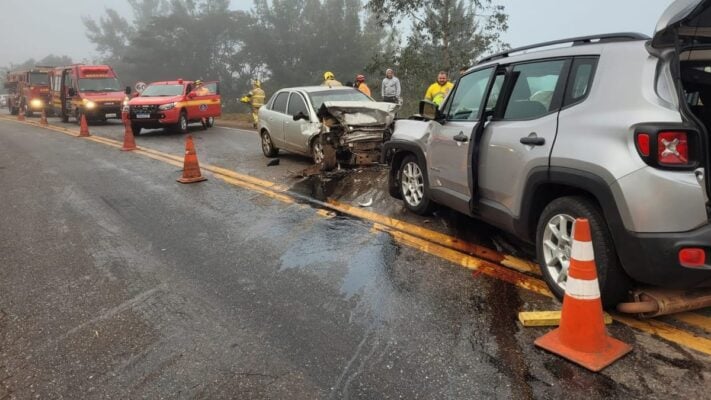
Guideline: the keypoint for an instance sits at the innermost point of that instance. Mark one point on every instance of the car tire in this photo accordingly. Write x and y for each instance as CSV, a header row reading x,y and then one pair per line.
x,y
77,117
210,122
65,117
182,126
413,186
268,147
136,129
323,156
553,250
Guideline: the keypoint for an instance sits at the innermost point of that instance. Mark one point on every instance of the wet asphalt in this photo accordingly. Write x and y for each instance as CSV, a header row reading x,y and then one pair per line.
x,y
118,282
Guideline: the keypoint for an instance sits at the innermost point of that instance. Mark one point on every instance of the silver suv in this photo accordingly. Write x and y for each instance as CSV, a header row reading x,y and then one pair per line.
x,y
613,128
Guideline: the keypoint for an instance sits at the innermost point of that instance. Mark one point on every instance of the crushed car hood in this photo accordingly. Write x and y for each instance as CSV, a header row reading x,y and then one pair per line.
x,y
359,113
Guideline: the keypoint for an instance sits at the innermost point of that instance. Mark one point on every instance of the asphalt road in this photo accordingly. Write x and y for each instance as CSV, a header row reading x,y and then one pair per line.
x,y
118,282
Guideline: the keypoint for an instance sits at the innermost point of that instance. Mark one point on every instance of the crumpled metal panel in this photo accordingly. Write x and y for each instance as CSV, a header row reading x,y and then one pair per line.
x,y
362,113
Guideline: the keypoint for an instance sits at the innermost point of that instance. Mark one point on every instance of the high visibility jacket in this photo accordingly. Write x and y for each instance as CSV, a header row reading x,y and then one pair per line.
x,y
436,93
364,88
257,95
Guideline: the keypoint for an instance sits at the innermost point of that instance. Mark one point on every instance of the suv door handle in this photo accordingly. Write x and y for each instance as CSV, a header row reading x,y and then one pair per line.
x,y
461,137
533,141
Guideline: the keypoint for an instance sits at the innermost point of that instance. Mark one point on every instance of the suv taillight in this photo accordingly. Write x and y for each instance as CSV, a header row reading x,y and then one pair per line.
x,y
672,148
667,148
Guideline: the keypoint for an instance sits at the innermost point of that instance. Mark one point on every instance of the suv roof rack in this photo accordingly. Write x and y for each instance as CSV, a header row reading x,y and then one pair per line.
x,y
576,41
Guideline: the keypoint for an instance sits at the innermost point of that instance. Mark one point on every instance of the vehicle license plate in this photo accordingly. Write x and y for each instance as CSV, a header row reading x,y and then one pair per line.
x,y
112,115
143,116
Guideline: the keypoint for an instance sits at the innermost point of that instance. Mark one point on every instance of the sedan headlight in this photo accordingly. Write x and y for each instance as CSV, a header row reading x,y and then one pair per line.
x,y
168,106
36,103
89,105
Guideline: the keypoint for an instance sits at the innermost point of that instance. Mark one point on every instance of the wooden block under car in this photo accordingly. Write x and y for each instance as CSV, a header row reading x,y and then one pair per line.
x,y
547,318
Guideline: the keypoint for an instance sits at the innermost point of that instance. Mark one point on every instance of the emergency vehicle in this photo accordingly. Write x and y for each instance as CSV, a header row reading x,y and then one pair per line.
x,y
91,90
28,90
173,105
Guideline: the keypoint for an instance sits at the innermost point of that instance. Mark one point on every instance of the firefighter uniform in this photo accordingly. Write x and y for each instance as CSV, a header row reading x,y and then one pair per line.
x,y
256,98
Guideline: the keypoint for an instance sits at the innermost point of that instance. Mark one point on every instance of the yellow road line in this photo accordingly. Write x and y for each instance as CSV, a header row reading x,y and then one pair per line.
x,y
694,319
469,262
668,332
426,241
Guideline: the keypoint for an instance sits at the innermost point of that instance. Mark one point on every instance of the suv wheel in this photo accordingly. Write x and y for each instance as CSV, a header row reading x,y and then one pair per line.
x,y
411,181
268,146
210,122
554,241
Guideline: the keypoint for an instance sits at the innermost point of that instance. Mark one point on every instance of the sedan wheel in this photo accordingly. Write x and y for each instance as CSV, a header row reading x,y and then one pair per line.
x,y
268,146
317,151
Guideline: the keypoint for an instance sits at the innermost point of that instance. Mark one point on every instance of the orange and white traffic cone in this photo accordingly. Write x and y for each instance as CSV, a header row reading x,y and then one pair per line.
x,y
129,142
21,114
581,337
83,127
191,167
43,118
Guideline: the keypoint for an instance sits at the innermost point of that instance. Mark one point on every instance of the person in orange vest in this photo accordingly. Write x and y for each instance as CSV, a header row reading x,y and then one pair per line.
x,y
361,85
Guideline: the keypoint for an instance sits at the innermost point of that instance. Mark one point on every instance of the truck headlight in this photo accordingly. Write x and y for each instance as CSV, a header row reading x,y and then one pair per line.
x,y
36,103
168,106
89,105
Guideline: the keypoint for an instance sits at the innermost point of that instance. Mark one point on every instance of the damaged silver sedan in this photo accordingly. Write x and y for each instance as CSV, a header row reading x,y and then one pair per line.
x,y
334,126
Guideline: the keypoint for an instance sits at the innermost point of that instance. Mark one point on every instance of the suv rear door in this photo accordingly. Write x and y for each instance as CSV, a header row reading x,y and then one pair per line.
x,y
450,143
521,135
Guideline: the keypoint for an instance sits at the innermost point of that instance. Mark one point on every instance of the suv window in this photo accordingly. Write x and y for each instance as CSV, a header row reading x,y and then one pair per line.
x,y
535,85
581,75
296,105
280,102
468,96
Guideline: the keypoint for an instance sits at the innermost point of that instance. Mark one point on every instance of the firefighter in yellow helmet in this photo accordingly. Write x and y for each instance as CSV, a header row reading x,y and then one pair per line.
x,y
330,80
256,98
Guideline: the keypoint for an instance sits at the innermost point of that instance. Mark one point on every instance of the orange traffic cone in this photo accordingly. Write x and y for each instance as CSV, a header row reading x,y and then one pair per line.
x,y
191,168
43,118
21,114
581,337
83,127
129,142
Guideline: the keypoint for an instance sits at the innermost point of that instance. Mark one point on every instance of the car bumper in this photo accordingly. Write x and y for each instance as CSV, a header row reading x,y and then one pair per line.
x,y
155,118
653,259
103,113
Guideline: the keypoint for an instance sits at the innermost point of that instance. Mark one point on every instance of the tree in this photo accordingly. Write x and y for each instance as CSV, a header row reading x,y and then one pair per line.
x,y
446,35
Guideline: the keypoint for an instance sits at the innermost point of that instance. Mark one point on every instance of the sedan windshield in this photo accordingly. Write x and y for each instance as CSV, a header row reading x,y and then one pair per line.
x,y
318,98
162,91
99,85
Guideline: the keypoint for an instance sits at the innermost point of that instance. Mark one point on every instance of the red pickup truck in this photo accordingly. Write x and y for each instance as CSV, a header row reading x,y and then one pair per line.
x,y
173,105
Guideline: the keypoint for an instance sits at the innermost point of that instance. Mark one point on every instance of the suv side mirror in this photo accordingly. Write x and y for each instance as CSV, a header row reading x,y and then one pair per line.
x,y
127,90
72,92
430,111
301,115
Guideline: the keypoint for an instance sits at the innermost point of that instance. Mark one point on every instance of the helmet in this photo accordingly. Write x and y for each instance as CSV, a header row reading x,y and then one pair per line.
x,y
360,78
198,82
257,83
328,76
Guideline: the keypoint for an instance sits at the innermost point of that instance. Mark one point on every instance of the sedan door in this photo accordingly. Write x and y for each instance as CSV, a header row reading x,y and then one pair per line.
x,y
297,133
276,117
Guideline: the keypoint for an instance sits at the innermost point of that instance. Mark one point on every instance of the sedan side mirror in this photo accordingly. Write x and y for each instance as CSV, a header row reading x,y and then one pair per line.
x,y
301,115
430,111
72,92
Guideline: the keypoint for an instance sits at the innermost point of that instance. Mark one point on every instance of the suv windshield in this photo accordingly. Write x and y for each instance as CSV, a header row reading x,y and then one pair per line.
x,y
99,85
163,91
38,78
318,98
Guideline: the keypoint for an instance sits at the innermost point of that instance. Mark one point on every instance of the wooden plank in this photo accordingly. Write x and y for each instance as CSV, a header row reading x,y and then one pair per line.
x,y
546,318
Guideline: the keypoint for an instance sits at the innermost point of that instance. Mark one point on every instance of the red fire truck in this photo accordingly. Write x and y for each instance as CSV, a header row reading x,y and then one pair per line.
x,y
28,90
90,90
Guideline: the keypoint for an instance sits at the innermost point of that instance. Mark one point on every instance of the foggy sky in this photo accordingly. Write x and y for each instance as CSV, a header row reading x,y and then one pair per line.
x,y
42,27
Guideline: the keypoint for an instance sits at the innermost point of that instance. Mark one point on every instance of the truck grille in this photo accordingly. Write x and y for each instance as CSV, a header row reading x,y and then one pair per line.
x,y
149,109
